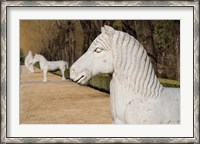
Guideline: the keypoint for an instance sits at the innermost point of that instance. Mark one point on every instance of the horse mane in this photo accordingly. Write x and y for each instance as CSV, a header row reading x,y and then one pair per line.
x,y
133,67
41,57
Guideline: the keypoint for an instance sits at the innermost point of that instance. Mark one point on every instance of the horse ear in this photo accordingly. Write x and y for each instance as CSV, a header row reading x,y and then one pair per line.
x,y
103,30
109,30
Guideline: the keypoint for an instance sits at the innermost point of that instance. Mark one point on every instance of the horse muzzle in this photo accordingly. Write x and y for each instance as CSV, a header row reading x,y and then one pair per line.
x,y
80,77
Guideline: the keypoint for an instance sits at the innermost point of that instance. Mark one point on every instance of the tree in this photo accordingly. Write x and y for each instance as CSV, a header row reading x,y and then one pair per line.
x,y
69,39
144,33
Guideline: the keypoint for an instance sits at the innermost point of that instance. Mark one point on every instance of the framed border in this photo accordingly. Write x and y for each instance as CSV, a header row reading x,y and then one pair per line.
x,y
6,4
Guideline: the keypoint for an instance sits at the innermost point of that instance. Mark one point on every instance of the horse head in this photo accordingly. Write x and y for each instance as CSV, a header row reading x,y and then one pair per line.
x,y
98,58
28,60
35,59
134,86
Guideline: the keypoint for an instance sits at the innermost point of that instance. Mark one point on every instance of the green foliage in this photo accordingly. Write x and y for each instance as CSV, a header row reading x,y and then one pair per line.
x,y
118,25
102,82
163,34
37,65
169,83
68,39
58,72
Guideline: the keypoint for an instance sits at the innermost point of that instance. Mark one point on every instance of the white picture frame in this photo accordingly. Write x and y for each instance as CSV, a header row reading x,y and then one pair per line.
x,y
6,80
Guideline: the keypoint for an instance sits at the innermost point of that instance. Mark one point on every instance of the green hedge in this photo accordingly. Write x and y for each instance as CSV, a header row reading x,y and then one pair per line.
x,y
169,83
102,82
59,73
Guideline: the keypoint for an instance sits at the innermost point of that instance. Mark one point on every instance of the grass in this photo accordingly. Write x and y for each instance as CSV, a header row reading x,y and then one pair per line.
x,y
169,83
102,82
59,73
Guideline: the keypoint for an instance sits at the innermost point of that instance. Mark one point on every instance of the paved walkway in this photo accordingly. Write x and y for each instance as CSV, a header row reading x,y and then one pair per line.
x,y
60,102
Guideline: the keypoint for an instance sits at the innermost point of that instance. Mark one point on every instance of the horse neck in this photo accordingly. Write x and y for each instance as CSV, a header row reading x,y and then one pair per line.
x,y
132,68
42,61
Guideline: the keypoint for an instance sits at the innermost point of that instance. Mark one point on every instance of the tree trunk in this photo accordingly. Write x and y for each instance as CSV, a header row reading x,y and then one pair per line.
x,y
177,47
145,36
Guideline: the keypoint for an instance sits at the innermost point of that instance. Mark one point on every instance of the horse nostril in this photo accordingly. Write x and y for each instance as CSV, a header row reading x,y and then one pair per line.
x,y
72,73
72,70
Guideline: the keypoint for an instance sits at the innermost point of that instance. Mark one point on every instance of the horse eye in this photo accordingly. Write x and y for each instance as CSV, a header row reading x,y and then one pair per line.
x,y
98,50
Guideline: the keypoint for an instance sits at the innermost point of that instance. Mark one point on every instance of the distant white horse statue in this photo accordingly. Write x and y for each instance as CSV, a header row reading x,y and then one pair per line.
x,y
46,66
28,63
136,95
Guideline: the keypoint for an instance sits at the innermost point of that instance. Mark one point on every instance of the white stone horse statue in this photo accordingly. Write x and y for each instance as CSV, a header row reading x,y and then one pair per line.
x,y
46,66
136,95
28,60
